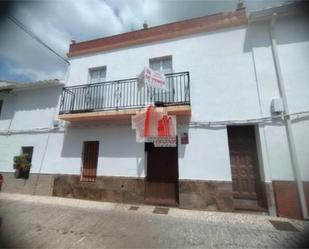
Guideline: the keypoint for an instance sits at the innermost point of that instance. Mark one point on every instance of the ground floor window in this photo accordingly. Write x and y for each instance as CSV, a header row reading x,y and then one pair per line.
x,y
28,151
22,163
89,161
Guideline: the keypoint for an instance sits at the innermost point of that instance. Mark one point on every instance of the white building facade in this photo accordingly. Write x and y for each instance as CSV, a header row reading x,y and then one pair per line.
x,y
232,147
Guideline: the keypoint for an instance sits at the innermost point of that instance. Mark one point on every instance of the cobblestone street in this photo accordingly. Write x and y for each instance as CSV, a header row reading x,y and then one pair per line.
x,y
33,221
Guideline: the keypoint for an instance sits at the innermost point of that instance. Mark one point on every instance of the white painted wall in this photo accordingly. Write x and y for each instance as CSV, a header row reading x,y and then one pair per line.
x,y
24,111
232,77
7,111
30,108
119,154
206,156
60,152
11,146
293,50
207,57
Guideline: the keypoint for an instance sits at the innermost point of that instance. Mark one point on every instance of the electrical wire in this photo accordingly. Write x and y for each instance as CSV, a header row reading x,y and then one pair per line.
x,y
35,37
265,120
269,119
30,131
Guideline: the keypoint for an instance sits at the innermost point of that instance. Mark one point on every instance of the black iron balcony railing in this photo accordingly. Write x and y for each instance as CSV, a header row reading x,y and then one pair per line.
x,y
124,94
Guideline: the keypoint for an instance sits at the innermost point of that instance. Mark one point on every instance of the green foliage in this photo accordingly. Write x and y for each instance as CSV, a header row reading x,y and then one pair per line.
x,y
22,162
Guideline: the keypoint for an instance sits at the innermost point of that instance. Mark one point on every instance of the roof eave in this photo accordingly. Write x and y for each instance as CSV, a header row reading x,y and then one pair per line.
x,y
221,21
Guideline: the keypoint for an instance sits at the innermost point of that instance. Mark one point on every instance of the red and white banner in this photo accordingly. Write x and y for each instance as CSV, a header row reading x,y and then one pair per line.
x,y
151,78
154,125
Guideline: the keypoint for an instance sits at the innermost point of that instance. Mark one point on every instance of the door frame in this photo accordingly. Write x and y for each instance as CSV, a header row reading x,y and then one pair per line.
x,y
92,176
259,174
177,171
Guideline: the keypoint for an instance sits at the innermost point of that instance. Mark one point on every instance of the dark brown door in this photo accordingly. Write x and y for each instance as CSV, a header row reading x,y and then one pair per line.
x,y
247,185
90,160
162,175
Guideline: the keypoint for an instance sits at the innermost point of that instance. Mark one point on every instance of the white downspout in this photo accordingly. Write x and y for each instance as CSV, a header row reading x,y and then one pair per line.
x,y
263,142
287,121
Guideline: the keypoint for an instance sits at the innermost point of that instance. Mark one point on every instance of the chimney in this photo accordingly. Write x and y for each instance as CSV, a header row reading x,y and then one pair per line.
x,y
73,41
145,25
240,5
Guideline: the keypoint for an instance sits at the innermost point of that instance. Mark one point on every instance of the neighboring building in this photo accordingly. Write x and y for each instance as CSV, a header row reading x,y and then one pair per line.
x,y
27,117
233,149
6,83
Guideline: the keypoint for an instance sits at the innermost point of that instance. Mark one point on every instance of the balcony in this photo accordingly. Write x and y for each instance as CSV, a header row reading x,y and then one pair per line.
x,y
122,99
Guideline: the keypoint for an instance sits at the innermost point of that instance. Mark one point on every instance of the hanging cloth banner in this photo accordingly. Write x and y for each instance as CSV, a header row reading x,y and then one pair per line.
x,y
151,78
154,125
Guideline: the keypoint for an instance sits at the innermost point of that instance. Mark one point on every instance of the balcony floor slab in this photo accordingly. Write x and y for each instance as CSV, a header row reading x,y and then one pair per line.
x,y
180,110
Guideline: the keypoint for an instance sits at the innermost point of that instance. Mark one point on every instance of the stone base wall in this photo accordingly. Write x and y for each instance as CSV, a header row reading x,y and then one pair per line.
x,y
113,189
206,195
36,184
193,194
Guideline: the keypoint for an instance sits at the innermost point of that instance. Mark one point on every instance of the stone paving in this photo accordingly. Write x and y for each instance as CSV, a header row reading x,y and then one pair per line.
x,y
37,221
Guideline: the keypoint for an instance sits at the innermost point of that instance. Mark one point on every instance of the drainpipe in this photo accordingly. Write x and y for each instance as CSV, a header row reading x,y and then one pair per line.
x,y
288,122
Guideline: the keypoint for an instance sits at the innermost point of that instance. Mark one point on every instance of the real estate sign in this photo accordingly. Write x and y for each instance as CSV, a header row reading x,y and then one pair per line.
x,y
151,78
154,125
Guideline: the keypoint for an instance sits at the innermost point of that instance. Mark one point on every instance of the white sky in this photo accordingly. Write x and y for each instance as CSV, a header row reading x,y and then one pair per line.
x,y
57,22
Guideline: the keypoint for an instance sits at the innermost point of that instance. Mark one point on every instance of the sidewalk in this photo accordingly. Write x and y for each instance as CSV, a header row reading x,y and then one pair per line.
x,y
226,217
136,225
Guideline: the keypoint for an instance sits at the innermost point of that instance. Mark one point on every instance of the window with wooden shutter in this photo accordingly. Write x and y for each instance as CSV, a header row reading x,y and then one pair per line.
x,y
90,161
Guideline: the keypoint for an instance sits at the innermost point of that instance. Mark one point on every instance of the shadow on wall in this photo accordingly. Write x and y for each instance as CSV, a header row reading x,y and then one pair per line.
x,y
115,142
45,98
287,29
300,119
8,105
182,127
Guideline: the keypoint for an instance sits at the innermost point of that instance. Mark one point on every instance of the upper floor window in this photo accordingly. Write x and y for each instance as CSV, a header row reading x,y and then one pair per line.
x,y
1,102
97,75
161,64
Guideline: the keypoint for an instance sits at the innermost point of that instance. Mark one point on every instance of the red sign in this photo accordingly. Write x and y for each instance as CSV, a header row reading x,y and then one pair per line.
x,y
154,125
152,78
164,126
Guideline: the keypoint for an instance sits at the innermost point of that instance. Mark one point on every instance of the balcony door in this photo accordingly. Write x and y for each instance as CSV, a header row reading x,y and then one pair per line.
x,y
162,65
93,97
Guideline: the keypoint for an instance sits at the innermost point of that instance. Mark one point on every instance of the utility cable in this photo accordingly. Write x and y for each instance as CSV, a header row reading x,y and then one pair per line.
x,y
264,120
35,37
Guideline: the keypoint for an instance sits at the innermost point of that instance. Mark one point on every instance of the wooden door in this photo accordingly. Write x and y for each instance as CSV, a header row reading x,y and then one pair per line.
x,y
162,175
247,185
90,160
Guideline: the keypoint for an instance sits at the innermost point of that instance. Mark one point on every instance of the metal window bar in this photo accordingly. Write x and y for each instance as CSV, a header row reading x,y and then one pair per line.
x,y
89,162
124,94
